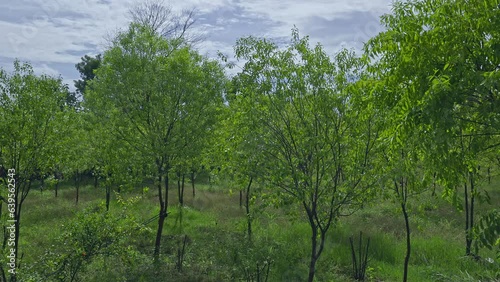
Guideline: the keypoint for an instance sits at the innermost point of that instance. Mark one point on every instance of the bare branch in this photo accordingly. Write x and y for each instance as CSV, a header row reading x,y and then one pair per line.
x,y
160,17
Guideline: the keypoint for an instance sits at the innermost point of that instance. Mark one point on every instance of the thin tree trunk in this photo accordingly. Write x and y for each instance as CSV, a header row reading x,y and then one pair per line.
x,y
408,241
401,190
434,185
161,219
314,258
192,183
470,214
77,184
108,196
42,184
17,225
182,190
247,206
179,187
467,224
4,243
58,178
4,277
166,191
5,236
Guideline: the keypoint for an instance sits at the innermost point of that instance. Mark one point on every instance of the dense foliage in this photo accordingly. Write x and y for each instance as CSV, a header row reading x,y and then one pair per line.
x,y
306,137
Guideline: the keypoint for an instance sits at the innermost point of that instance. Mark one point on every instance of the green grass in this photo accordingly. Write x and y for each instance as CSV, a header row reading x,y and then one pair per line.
x,y
218,249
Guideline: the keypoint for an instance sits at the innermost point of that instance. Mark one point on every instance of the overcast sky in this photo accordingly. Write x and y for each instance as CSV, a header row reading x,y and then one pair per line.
x,y
54,34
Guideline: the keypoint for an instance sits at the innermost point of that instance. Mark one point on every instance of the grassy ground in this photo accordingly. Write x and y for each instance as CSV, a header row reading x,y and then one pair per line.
x,y
217,248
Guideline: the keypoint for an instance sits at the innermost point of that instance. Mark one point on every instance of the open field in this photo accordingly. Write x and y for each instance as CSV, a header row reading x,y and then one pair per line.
x,y
217,248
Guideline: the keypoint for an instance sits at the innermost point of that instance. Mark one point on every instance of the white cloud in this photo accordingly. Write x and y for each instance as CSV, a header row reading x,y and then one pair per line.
x,y
59,32
45,69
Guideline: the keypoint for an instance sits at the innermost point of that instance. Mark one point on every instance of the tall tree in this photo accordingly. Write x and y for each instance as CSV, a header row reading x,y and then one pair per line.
x,y
86,69
164,21
150,90
32,109
239,148
317,140
441,79
112,159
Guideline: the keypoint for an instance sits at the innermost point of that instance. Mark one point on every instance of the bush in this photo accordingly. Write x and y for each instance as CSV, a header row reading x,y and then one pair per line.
x,y
93,235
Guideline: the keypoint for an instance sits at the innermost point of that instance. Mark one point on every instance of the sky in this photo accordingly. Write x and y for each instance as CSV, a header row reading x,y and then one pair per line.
x,y
53,35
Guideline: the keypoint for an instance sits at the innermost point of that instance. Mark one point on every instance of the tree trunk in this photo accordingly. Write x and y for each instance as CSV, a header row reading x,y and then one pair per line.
x,y
434,185
472,201
179,187
58,177
108,196
42,184
57,187
166,191
17,225
314,257
4,243
161,219
408,241
4,277
247,206
182,190
467,225
469,213
17,217
77,184
192,183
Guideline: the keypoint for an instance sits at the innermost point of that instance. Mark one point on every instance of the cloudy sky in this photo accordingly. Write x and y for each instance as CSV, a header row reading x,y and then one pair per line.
x,y
54,34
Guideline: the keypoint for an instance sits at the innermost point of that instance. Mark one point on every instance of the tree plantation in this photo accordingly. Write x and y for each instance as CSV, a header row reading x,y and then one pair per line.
x,y
300,165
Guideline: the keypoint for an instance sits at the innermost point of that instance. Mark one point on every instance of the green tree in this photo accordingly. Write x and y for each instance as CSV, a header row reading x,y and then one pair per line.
x,y
32,110
317,137
86,68
440,82
402,169
239,148
150,89
159,16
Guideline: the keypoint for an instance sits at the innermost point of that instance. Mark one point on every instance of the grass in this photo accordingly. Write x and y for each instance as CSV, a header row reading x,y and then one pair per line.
x,y
218,249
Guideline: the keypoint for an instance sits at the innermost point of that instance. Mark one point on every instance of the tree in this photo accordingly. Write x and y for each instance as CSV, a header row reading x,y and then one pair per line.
x,y
403,169
32,110
155,14
147,91
239,148
86,69
441,80
317,138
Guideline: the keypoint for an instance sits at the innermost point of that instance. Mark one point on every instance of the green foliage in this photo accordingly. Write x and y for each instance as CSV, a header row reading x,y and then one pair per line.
x,y
155,98
299,97
436,78
32,111
313,127
86,69
310,132
92,235
487,232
